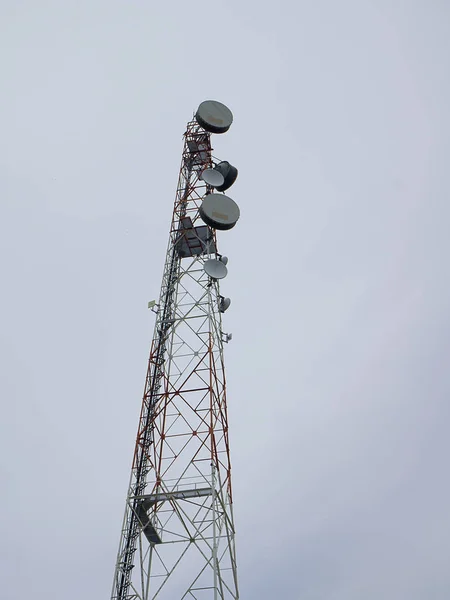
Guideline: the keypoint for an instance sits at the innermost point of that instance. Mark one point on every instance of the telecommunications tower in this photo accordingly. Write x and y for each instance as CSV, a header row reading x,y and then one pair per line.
x,y
177,537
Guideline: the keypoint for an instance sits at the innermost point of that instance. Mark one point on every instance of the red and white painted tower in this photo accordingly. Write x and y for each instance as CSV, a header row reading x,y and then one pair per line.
x,y
178,537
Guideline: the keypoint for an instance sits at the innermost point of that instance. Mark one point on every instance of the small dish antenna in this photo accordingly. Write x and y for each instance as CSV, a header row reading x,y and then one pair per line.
x,y
215,269
214,116
229,174
224,259
224,304
219,211
213,178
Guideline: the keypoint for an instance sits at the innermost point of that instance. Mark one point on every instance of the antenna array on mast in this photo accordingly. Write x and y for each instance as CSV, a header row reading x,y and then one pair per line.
x,y
177,538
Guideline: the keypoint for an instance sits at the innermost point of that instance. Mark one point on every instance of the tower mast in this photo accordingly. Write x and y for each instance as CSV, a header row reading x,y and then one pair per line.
x,y
177,537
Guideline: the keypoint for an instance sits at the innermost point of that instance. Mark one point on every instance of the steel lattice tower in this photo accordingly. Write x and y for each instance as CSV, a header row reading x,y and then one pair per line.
x,y
177,537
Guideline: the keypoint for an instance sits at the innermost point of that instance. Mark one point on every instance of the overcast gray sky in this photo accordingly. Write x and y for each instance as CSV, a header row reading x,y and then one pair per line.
x,y
338,371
